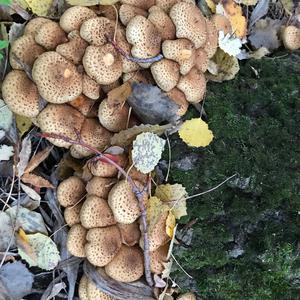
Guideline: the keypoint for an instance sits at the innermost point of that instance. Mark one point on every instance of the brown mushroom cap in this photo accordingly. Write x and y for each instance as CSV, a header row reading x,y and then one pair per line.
x,y
88,107
26,50
112,118
166,5
144,4
76,240
103,244
72,214
127,12
95,294
130,233
103,64
34,24
189,22
100,186
165,73
94,135
127,265
74,49
74,16
95,212
60,119
162,22
179,98
211,44
20,94
90,87
202,59
187,296
158,258
108,11
221,23
57,79
193,85
70,191
291,37
82,288
143,76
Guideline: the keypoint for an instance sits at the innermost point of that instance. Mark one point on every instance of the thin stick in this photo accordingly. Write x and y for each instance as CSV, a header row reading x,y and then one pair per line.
x,y
170,158
183,270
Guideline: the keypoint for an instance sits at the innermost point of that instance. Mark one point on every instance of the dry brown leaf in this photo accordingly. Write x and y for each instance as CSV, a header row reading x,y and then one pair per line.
x,y
37,159
36,180
119,95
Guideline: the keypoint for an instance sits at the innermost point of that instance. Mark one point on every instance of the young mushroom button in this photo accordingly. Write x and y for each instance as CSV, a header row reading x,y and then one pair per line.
x,y
76,240
94,293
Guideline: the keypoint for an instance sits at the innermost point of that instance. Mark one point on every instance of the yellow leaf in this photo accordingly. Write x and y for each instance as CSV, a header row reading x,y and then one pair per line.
x,y
23,124
211,4
154,208
92,2
195,133
38,7
170,224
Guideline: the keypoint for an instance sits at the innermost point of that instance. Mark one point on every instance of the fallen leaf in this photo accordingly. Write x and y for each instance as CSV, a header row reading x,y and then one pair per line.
x,y
15,31
288,5
23,124
259,53
24,155
6,232
229,44
167,269
246,2
212,5
40,8
260,10
159,282
155,208
6,116
27,202
6,152
36,180
92,2
30,192
56,290
170,224
37,159
119,95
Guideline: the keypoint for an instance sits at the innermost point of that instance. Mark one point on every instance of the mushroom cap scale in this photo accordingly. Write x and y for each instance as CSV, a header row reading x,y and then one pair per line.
x,y
90,87
202,59
127,12
143,4
100,186
76,240
166,5
211,44
130,233
34,24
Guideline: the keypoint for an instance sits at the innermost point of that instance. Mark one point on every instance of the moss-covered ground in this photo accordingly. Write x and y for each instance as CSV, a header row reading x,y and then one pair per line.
x,y
245,237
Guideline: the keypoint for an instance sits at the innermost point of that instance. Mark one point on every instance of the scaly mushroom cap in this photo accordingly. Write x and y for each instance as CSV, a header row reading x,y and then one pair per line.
x,y
130,233
127,265
34,24
103,244
112,118
291,37
50,35
142,76
123,202
70,191
20,94
211,44
90,87
88,107
95,294
108,11
74,49
193,85
100,186
26,50
127,12
60,119
162,22
82,288
166,5
165,73
72,214
95,212
76,240
187,296
179,98
158,258
144,4
94,30
57,79
189,23
182,51
221,23
103,64
74,16
94,135
202,59
144,37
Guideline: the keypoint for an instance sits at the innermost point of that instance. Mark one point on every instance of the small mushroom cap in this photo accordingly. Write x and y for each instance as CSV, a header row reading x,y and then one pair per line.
x,y
76,240
166,73
187,296
291,37
26,50
130,233
95,294
144,4
88,107
70,191
34,24
60,119
90,87
94,135
124,203
74,49
221,23
103,244
20,94
127,12
57,79
49,35
162,22
179,98
166,5
112,118
202,59
95,212
189,23
158,258
103,64
193,85
74,16
211,44
100,186
72,214
82,288
127,265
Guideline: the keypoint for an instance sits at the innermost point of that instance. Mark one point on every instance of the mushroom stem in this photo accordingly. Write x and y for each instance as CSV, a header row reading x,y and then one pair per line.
x,y
139,194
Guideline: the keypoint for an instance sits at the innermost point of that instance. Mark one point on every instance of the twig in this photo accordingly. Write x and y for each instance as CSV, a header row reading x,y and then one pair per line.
x,y
170,158
178,264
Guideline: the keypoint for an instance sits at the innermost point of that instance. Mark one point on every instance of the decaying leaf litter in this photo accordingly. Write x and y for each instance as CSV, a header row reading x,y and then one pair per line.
x,y
97,197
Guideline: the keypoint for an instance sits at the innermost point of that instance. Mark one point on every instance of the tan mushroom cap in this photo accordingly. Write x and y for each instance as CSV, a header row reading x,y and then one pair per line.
x,y
20,94
72,214
57,79
143,76
291,37
144,4
162,22
179,98
60,119
94,135
182,51
193,85
166,5
124,203
135,174
95,212
49,35
95,294
90,87
26,50
82,288
202,59
76,240
74,49
74,16
211,44
88,107
144,37
165,73
127,12
113,118
158,258
222,23
189,22
127,265
187,296
34,24
103,64
108,11
103,244
100,186
70,191
130,233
